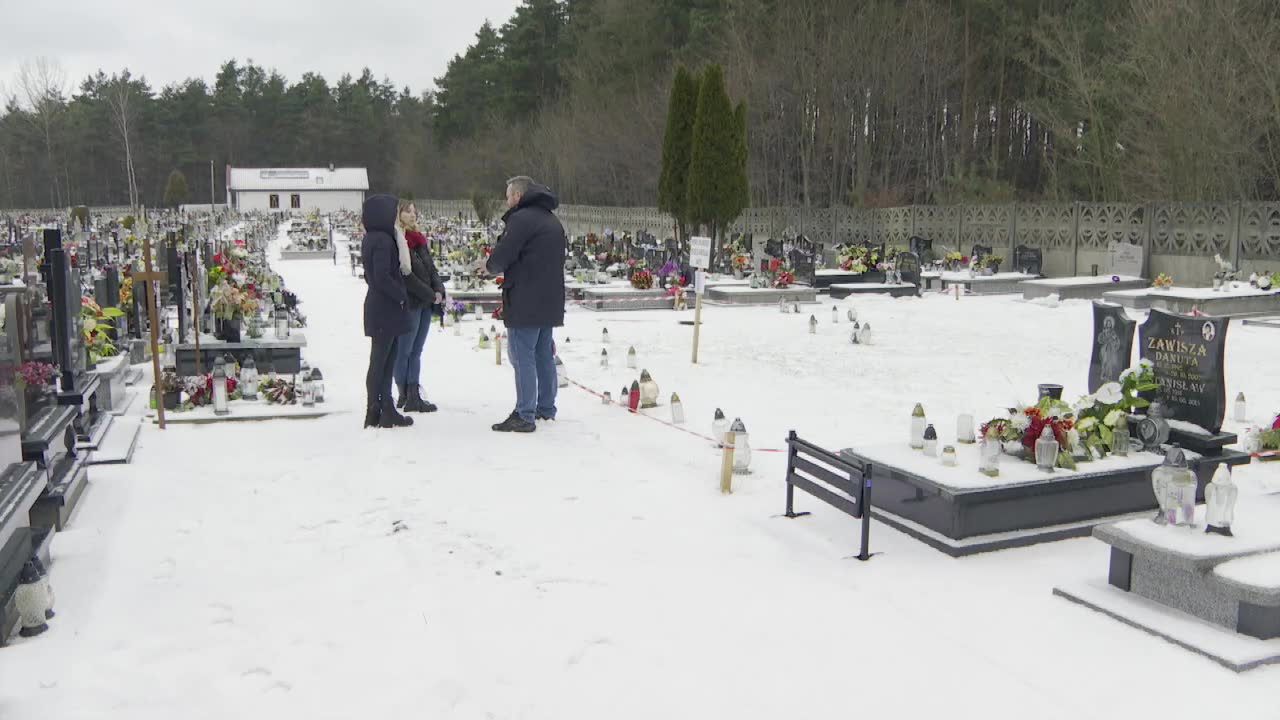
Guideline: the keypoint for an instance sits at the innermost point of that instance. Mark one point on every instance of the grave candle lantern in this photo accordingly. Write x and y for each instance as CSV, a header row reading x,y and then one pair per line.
x,y
918,424
604,358
306,389
930,441
813,325
1047,450
1220,502
989,457
835,315
282,322
317,384
964,429
741,448
855,336
1171,481
949,456
479,311
677,410
624,397
864,337
633,396
1120,437
1241,411
631,358
719,426
219,388
783,307
607,398
648,390
249,379
604,336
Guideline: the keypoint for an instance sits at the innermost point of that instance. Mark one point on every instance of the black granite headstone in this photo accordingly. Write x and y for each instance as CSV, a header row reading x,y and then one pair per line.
x,y
773,248
803,260
1188,354
1028,260
1112,343
980,251
908,264
11,409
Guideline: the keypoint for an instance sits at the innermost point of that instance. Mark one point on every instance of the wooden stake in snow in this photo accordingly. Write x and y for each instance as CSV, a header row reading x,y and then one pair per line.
x,y
497,348
726,463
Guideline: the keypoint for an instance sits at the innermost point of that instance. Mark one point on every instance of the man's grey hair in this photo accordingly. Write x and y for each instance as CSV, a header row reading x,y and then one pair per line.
x,y
520,183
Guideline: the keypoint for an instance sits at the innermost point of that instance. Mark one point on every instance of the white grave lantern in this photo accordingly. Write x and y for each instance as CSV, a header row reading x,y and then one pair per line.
x,y
719,426
282,322
1241,413
930,441
248,379
1220,501
648,390
562,376
918,424
1047,450
741,448
604,358
835,314
317,384
813,325
307,389
220,388
964,429
677,410
604,336
631,358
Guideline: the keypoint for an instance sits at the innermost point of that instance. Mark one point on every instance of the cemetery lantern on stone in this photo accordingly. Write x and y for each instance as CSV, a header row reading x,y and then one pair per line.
x,y
741,448
220,388
1047,450
604,358
964,429
677,410
1175,487
989,457
1220,502
930,441
631,358
1241,413
918,423
813,325
282,322
248,379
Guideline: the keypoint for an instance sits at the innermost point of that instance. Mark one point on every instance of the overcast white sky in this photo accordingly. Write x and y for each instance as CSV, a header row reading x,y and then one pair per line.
x,y
409,41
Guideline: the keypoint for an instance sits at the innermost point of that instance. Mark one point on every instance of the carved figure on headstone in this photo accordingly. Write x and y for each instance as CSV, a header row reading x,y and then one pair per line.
x,y
1110,351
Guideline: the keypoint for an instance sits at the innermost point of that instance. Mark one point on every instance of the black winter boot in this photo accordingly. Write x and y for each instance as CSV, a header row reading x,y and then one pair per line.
x,y
372,416
416,403
392,419
403,398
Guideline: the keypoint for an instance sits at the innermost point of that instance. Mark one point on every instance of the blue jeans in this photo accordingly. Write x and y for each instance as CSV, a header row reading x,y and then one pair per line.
x,y
535,368
409,348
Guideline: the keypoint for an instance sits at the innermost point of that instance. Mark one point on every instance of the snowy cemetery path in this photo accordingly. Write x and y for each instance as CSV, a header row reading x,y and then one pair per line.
x,y
311,569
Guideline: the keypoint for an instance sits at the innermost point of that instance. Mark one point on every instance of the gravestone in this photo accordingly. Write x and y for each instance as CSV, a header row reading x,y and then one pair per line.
x,y
922,247
908,264
1188,354
803,260
1028,260
773,248
12,408
979,252
1125,259
1112,343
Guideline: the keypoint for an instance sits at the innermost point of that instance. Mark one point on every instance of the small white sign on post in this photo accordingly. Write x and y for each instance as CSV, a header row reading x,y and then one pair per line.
x,y
700,253
1125,259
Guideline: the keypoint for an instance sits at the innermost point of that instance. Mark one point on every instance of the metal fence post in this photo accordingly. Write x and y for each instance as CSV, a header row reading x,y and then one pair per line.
x,y
1075,238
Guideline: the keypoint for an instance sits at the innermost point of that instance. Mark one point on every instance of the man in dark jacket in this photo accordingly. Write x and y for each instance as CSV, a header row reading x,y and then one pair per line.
x,y
530,257
386,314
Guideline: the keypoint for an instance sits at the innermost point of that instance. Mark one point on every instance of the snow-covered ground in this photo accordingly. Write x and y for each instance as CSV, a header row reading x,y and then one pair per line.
x,y
311,569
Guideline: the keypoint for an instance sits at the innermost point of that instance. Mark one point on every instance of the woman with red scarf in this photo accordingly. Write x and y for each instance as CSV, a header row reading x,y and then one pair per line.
x,y
426,299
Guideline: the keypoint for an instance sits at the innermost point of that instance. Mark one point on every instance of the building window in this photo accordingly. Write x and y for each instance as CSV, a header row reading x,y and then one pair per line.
x,y
295,201
274,202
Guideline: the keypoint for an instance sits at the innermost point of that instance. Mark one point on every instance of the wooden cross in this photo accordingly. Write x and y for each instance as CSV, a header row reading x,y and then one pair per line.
x,y
150,276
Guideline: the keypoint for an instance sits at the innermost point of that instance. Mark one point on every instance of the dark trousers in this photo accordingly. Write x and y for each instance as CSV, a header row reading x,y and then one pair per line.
x,y
382,360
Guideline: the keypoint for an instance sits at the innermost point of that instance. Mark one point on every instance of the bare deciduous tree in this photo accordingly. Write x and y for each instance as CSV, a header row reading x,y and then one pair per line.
x,y
41,84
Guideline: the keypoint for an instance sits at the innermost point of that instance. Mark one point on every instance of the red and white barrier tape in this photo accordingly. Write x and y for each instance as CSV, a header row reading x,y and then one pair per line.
x,y
672,425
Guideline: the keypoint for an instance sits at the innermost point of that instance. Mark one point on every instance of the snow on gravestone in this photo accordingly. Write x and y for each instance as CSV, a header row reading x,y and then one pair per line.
x,y
1188,354
1125,259
1112,344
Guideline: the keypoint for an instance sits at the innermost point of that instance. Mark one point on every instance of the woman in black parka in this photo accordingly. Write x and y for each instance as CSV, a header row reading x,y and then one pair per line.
x,y
386,314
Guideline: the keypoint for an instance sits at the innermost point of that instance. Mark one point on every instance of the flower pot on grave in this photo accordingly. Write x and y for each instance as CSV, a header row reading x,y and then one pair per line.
x,y
987,271
171,400
737,273
994,268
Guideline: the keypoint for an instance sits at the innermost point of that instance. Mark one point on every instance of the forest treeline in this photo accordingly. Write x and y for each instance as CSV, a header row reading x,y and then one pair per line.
x,y
860,102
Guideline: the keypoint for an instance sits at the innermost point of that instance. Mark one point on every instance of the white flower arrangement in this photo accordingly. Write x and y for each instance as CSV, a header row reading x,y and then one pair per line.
x,y
1113,417
1020,422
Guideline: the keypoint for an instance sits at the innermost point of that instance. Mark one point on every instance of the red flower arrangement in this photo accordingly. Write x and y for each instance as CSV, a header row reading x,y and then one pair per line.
x,y
784,279
642,279
1038,423
499,280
